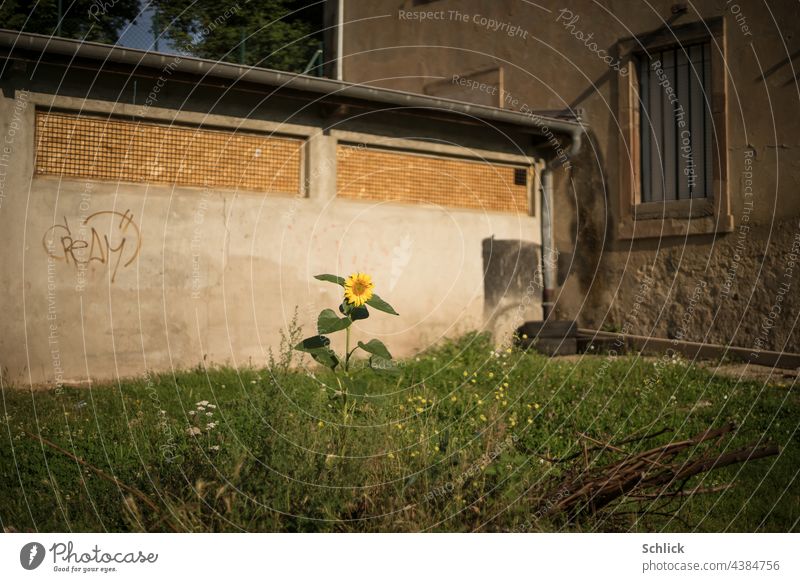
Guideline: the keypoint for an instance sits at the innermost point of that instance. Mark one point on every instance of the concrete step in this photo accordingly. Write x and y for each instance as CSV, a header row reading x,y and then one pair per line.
x,y
551,337
550,328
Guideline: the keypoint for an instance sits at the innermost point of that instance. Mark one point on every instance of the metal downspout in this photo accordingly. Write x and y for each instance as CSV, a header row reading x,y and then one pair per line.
x,y
549,255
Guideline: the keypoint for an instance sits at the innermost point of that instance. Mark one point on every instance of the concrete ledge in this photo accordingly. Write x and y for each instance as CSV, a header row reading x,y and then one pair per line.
x,y
658,228
696,350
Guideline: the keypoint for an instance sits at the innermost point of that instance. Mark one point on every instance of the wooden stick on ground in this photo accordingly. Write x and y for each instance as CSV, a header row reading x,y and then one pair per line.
x,y
697,490
652,474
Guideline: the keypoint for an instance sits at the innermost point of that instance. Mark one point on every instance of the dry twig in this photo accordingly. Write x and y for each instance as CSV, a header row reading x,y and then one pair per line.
x,y
654,474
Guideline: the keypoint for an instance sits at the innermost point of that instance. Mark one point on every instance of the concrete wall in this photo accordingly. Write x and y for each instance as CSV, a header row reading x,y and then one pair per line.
x,y
220,273
738,287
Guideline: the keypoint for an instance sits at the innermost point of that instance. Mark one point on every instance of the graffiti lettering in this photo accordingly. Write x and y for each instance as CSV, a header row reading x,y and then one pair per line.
x,y
114,240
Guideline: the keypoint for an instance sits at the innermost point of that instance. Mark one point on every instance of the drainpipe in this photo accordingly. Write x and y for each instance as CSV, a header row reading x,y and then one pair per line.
x,y
339,39
548,238
548,272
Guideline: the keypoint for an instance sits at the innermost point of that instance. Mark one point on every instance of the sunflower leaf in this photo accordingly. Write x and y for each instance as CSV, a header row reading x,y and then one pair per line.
x,y
354,312
312,343
330,279
381,305
376,347
318,347
357,313
329,322
326,357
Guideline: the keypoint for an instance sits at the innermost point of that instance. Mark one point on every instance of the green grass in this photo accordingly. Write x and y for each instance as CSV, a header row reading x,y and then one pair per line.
x,y
409,459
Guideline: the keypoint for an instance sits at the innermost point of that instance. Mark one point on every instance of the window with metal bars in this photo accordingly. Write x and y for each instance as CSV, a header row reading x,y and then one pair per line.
x,y
676,123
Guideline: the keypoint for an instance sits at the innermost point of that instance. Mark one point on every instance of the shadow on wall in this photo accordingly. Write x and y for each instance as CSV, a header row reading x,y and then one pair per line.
x,y
583,226
512,283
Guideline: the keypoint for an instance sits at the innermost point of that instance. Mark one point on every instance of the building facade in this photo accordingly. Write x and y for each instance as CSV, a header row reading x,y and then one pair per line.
x,y
162,212
679,217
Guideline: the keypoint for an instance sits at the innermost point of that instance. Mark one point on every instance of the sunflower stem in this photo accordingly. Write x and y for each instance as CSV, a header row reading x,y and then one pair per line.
x,y
347,348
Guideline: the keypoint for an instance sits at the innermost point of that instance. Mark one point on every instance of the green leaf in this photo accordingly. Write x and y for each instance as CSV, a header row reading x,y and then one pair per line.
x,y
381,305
326,357
329,322
313,343
331,279
360,312
375,347
318,347
383,366
354,312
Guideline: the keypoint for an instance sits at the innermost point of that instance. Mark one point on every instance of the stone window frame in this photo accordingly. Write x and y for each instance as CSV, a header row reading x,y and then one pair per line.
x,y
672,217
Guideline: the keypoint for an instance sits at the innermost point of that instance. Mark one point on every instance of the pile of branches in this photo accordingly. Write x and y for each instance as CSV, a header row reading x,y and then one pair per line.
x,y
657,475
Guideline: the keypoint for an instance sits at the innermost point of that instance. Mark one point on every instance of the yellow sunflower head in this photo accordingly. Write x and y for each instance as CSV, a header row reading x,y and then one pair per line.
x,y
358,289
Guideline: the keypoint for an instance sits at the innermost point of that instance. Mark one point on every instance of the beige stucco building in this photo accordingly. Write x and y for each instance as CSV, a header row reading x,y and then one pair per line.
x,y
680,216
162,211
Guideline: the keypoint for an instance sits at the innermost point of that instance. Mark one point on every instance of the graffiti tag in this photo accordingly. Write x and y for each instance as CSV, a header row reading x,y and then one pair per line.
x,y
111,238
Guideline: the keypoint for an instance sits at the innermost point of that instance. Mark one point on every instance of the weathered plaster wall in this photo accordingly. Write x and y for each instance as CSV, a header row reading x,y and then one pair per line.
x,y
546,66
220,273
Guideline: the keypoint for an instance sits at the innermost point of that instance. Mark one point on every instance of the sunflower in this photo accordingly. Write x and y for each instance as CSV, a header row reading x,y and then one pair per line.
x,y
358,289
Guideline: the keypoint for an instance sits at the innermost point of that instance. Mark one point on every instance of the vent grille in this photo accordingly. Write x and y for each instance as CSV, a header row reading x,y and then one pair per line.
x,y
110,149
385,175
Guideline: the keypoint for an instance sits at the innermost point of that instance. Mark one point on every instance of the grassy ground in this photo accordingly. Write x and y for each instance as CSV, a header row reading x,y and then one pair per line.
x,y
454,443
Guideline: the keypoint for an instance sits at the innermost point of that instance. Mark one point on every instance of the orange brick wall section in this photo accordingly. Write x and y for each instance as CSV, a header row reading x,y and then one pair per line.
x,y
384,175
110,149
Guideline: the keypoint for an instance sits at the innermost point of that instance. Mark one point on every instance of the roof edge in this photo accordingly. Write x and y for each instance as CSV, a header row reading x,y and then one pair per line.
x,y
539,124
